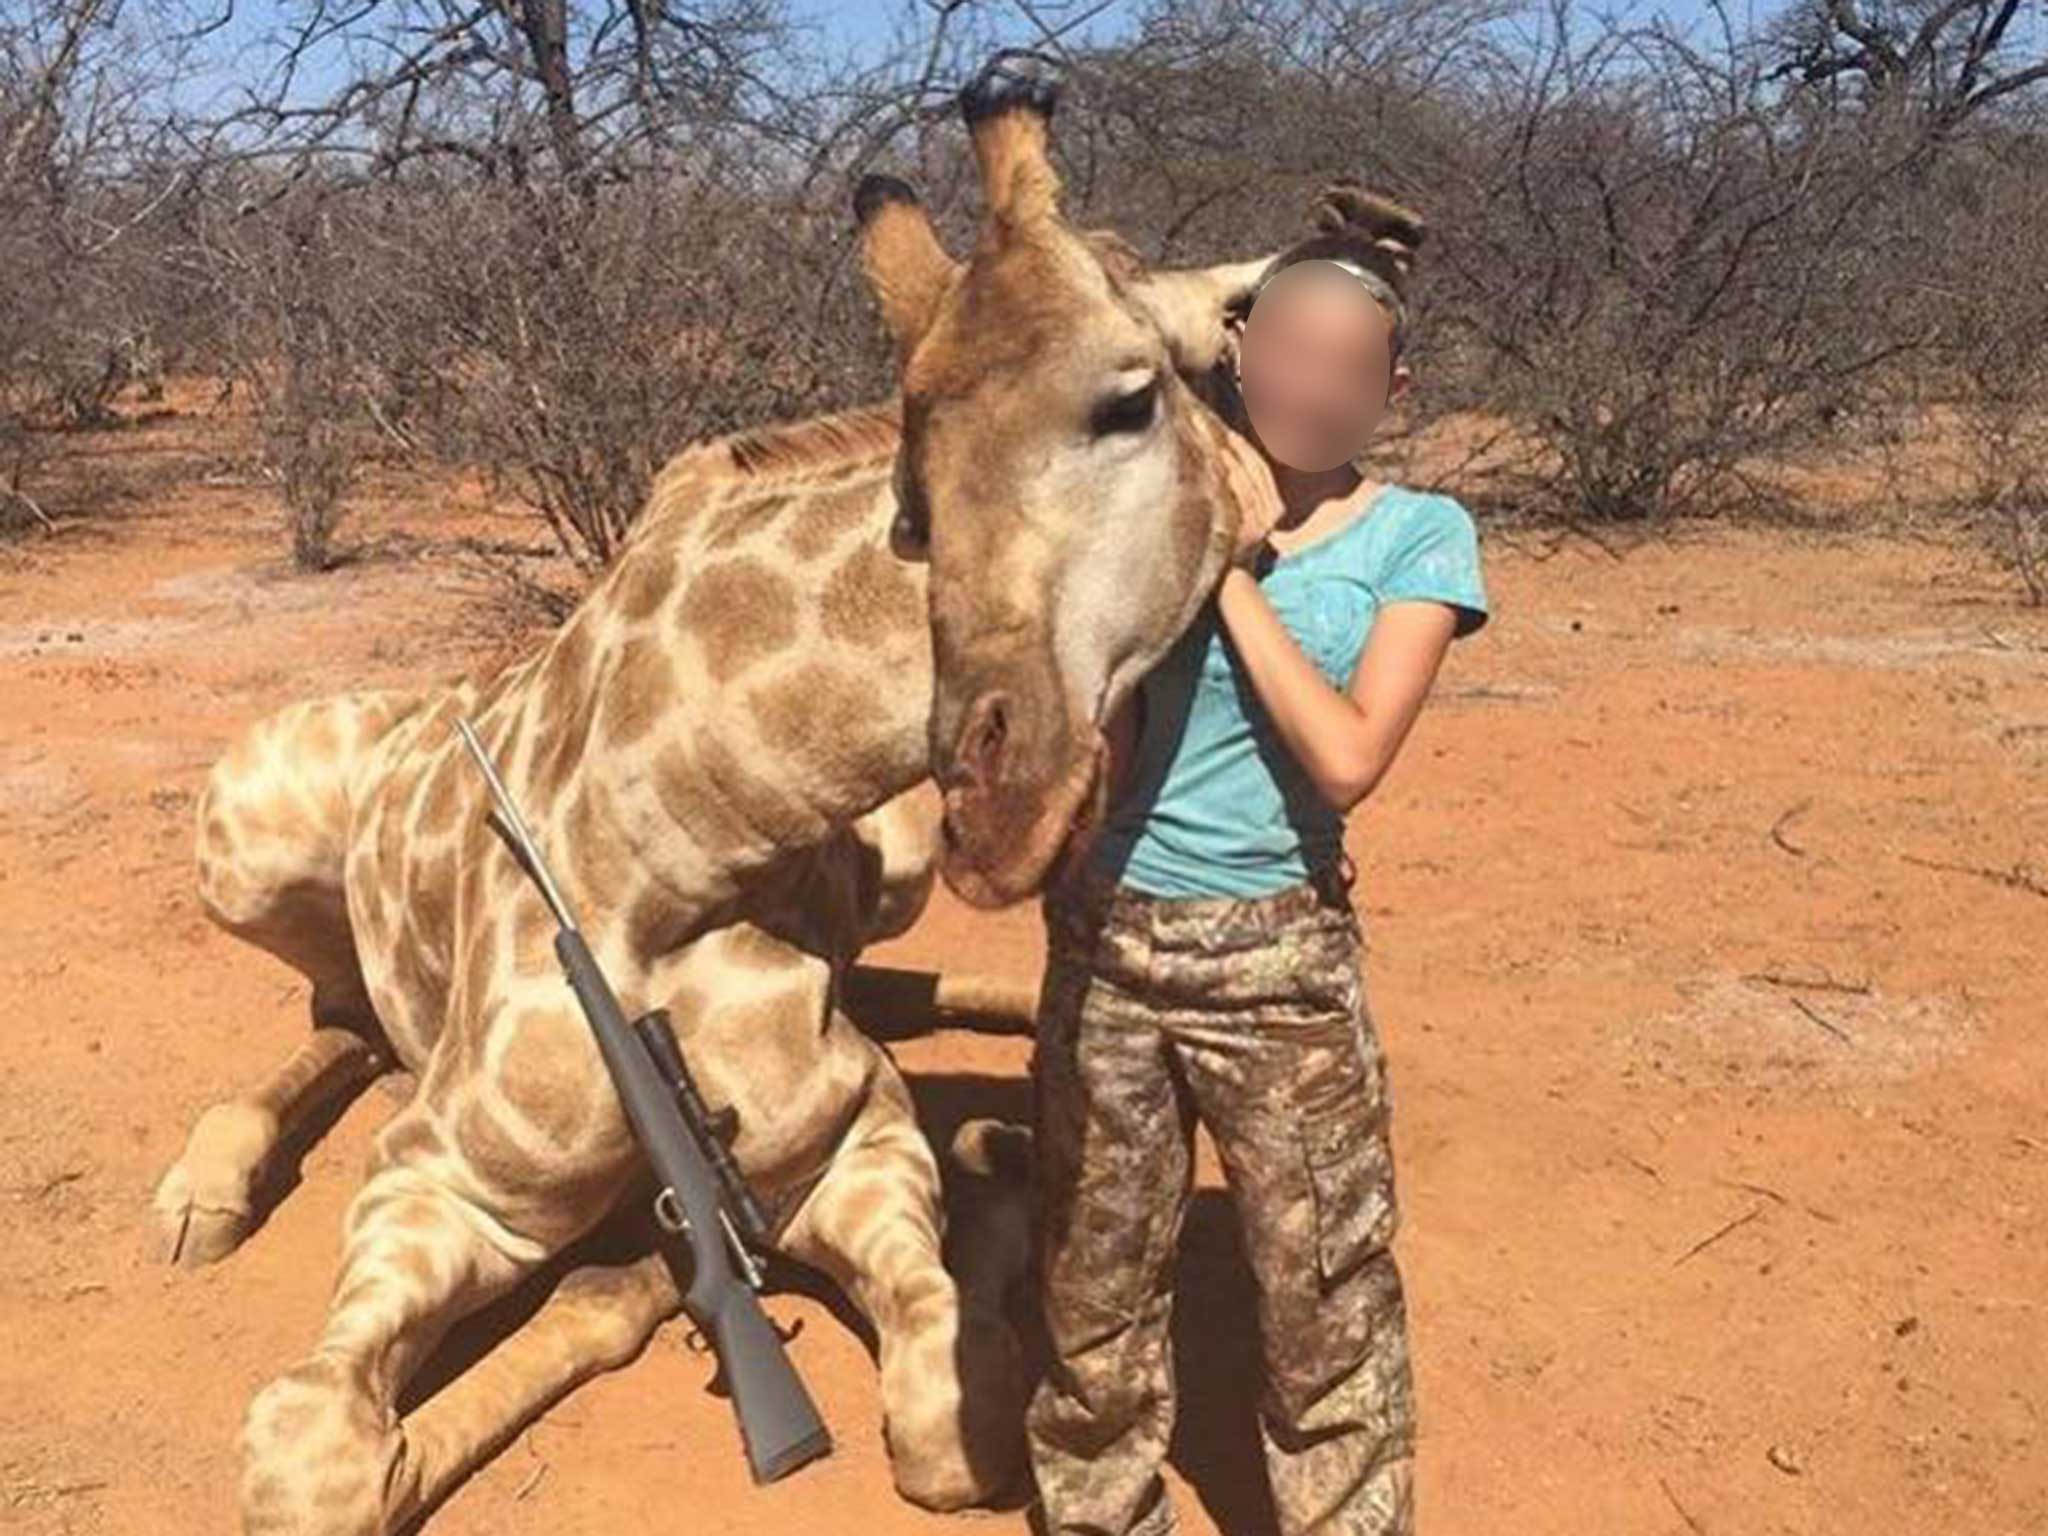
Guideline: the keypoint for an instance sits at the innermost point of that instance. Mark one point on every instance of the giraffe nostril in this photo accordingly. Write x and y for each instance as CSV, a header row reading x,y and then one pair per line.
x,y
984,738
995,728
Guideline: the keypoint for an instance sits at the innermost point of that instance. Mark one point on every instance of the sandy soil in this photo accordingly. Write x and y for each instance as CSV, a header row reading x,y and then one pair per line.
x,y
1708,913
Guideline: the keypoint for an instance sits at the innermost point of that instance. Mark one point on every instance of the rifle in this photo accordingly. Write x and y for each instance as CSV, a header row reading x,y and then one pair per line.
x,y
703,1197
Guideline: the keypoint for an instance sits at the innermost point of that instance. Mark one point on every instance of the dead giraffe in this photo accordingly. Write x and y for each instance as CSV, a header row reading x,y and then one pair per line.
x,y
712,748
704,832
1072,468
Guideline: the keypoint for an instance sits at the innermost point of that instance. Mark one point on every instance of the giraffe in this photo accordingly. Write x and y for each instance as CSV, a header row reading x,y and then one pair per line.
x,y
717,749
1074,468
699,747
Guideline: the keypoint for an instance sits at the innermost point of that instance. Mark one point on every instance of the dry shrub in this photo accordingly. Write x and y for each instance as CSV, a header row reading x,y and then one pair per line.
x,y
291,270
1995,341
584,338
557,242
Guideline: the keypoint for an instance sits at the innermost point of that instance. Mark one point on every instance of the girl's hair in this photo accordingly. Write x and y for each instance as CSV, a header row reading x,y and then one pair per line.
x,y
1371,234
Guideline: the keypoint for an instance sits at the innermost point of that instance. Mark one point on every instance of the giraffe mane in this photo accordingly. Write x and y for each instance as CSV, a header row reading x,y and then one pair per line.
x,y
796,445
760,454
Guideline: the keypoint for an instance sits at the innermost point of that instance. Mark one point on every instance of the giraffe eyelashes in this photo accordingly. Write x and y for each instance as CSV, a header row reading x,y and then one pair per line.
x,y
1131,410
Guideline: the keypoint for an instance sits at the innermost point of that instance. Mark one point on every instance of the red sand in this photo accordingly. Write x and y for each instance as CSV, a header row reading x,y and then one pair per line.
x,y
1686,1249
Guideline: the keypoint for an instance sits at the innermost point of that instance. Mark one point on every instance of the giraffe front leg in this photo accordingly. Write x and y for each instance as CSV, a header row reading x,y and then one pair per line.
x,y
597,1319
323,1451
205,1203
951,1374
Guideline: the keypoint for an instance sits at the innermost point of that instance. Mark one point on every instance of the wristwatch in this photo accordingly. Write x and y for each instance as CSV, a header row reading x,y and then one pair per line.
x,y
1258,558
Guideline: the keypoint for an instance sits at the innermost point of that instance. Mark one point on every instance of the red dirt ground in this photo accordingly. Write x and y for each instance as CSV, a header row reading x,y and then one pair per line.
x,y
1703,940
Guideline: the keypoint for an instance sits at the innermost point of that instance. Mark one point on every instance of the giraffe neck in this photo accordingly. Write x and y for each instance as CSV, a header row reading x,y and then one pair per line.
x,y
754,671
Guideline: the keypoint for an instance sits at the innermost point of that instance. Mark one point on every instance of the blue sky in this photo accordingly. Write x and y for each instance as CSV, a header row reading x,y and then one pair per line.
x,y
236,52
859,22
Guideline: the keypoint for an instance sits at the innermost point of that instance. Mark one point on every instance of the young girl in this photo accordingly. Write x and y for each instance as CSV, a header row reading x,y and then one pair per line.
x,y
1205,961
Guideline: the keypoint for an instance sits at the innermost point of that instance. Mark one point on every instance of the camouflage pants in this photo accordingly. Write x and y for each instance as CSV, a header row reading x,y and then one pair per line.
x,y
1250,1015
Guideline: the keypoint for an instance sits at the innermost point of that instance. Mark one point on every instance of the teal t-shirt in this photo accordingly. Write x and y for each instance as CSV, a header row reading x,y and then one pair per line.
x,y
1216,803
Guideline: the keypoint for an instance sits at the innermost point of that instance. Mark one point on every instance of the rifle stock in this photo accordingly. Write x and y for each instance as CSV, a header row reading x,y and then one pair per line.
x,y
779,1424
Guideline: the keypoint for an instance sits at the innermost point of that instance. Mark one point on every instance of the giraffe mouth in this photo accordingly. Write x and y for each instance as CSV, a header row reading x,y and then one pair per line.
x,y
1086,820
1091,808
1004,841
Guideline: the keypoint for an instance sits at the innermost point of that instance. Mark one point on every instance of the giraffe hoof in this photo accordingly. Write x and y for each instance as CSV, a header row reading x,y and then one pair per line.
x,y
190,1233
993,1148
953,1407
203,1202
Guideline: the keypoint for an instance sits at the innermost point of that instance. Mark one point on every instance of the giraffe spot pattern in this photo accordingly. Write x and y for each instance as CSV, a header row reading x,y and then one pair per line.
x,y
741,612
870,597
545,1074
643,685
825,517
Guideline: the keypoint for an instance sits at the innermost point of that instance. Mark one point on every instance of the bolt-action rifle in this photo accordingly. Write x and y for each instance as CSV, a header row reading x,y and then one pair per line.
x,y
703,1198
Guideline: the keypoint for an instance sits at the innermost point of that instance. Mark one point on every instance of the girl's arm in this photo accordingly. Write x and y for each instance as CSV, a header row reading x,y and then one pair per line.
x,y
1345,742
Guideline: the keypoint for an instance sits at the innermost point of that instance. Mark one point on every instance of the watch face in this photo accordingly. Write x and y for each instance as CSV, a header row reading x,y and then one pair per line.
x,y
1315,365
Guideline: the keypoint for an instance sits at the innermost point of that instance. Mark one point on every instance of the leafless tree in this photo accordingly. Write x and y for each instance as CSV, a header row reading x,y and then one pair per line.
x,y
556,239
1984,292
573,252
516,90
1941,60
88,191
1660,269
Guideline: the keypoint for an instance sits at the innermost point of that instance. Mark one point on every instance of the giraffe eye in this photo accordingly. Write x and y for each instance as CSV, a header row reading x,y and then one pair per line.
x,y
910,531
1128,410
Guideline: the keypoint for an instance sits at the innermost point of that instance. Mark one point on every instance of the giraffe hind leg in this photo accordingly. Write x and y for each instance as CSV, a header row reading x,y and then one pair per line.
x,y
598,1317
272,826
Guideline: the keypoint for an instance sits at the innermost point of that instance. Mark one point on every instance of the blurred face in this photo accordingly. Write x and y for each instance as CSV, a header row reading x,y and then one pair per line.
x,y
1315,365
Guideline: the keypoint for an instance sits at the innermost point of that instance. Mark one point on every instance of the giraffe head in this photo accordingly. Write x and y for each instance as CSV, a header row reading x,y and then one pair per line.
x,y
1061,469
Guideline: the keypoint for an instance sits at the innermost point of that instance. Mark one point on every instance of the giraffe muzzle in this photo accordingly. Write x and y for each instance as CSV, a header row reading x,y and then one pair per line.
x,y
1010,818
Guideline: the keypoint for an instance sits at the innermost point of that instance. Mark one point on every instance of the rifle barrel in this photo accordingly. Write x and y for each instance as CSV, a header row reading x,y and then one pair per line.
x,y
508,814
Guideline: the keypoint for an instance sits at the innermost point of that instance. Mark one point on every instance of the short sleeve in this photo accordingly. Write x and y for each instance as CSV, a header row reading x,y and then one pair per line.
x,y
1435,557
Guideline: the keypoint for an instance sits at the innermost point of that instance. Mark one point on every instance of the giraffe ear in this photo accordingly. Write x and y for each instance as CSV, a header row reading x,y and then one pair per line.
x,y
906,266
1191,306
